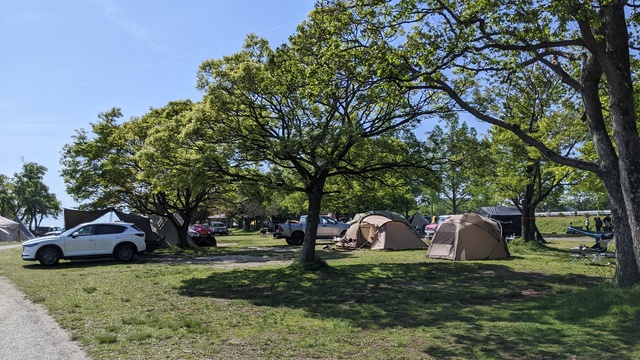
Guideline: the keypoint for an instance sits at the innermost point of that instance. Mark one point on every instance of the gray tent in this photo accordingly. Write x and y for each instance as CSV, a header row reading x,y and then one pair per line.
x,y
24,229
419,221
13,231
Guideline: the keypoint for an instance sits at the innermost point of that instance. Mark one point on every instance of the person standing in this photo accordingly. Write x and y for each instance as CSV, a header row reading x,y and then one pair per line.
x,y
598,222
586,222
607,223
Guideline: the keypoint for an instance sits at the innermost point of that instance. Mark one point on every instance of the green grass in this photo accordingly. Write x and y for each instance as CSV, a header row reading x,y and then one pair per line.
x,y
558,224
364,304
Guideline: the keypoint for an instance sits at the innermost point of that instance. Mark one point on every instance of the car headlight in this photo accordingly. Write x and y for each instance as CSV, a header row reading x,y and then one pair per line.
x,y
29,245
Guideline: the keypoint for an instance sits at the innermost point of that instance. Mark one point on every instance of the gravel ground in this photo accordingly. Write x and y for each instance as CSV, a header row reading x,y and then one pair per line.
x,y
28,332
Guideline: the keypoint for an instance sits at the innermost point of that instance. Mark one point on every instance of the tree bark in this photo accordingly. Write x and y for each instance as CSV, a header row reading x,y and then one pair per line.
x,y
623,116
614,167
314,193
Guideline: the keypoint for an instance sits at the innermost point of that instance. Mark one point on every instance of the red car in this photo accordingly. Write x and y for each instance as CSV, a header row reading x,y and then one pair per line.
x,y
430,229
202,235
199,230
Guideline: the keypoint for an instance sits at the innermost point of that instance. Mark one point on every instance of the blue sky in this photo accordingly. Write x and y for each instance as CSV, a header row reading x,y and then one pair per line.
x,y
62,62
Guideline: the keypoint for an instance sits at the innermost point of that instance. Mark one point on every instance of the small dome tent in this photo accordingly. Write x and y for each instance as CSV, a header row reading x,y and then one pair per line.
x,y
383,230
468,237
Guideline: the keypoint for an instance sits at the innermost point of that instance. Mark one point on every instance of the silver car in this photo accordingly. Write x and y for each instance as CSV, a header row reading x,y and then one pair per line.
x,y
219,228
99,239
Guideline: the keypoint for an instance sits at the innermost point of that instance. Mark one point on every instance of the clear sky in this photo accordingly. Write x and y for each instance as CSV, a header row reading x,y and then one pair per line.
x,y
63,62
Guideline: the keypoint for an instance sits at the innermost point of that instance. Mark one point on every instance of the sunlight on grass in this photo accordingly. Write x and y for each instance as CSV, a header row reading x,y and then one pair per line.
x,y
197,303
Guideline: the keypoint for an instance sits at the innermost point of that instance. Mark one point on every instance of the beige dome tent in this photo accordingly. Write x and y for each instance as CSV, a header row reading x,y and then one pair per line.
x,y
468,237
383,230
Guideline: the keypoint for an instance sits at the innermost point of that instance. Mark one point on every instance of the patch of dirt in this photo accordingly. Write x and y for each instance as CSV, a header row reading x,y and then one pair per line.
x,y
223,261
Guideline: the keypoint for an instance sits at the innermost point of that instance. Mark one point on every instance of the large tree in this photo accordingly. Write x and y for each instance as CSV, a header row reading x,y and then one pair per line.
x,y
314,107
32,197
146,164
525,176
461,158
8,203
454,46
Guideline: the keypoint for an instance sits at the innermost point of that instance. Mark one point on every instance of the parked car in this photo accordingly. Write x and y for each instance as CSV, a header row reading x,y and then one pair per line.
x,y
219,228
199,230
89,240
202,235
47,230
430,229
54,232
293,231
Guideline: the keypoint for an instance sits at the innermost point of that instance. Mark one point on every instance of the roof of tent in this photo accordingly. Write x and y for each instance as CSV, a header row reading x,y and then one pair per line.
x,y
386,213
383,230
468,237
13,231
499,210
418,220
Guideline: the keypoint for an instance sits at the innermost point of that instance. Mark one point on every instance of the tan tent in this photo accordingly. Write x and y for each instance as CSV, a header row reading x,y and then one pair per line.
x,y
13,231
383,230
468,237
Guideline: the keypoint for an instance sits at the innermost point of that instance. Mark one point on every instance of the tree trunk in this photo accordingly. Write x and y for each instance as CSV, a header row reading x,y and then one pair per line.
x,y
528,223
314,193
627,272
528,210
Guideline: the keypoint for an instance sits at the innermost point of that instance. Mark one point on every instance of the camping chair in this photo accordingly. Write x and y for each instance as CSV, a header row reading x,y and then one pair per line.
x,y
600,250
580,253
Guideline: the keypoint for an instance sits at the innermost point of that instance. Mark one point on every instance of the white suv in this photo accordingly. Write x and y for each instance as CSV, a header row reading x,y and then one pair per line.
x,y
100,239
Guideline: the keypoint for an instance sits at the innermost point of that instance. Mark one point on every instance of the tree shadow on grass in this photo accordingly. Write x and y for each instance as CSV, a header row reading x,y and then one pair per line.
x,y
432,294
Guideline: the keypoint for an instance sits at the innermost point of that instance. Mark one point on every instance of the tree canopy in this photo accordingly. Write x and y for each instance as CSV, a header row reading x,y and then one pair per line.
x,y
459,48
316,107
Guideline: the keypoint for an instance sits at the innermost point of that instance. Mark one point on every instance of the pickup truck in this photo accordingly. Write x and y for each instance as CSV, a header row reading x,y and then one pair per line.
x,y
293,232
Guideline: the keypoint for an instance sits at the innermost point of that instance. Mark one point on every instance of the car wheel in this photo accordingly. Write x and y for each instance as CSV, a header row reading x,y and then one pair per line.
x,y
297,238
49,256
125,252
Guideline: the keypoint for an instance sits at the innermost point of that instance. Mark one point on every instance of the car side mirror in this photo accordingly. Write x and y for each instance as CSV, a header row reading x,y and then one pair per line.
x,y
75,234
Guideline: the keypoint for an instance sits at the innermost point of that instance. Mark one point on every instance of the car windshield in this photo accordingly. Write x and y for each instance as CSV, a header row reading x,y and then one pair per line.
x,y
218,224
71,231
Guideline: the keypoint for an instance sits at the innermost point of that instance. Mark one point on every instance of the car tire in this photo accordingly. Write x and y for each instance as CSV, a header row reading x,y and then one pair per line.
x,y
49,256
297,238
124,252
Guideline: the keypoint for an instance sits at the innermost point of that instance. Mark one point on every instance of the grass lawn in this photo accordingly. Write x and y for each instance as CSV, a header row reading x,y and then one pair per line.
x,y
242,301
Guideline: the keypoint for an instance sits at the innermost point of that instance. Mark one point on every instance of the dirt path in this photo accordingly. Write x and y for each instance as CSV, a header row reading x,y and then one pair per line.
x,y
27,331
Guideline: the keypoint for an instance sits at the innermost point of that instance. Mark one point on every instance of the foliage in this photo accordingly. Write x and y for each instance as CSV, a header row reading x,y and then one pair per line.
x,y
149,164
462,159
454,46
33,201
8,205
315,108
